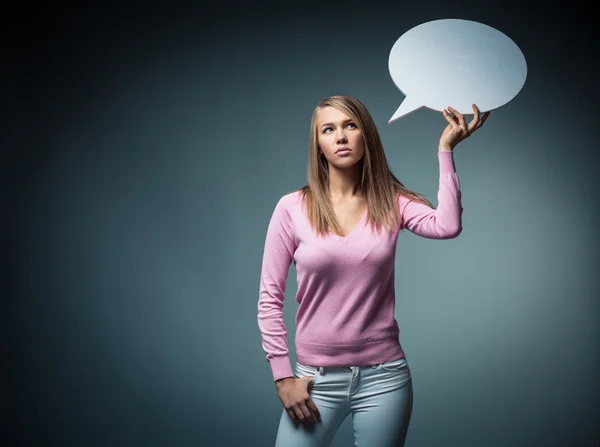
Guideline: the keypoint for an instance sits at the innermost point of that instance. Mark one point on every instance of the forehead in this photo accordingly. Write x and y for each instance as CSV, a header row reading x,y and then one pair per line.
x,y
330,114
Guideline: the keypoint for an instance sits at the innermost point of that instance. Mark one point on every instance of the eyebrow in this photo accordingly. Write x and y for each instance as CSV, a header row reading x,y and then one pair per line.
x,y
331,124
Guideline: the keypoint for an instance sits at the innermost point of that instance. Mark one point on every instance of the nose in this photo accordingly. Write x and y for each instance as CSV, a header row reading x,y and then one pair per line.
x,y
341,136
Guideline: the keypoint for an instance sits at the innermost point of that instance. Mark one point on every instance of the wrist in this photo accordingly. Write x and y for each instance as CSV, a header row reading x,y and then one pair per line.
x,y
281,381
444,148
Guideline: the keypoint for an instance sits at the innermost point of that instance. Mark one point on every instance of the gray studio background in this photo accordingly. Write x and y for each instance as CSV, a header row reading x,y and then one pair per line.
x,y
146,176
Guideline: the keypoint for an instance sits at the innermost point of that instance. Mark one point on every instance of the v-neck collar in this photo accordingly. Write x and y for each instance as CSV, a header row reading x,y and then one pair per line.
x,y
360,223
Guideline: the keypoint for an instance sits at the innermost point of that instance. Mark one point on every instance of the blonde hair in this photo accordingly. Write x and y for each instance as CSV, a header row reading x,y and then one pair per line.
x,y
378,184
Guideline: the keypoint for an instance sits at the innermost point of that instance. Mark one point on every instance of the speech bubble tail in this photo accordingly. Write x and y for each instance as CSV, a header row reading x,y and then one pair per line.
x,y
405,108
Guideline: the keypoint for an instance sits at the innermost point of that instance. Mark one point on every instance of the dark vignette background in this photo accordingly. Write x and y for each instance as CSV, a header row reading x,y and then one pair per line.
x,y
143,153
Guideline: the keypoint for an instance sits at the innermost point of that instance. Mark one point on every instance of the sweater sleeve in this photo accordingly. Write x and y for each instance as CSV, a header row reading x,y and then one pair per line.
x,y
445,222
279,248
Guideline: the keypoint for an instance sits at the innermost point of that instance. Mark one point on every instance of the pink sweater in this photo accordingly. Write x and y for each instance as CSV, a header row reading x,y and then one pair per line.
x,y
346,290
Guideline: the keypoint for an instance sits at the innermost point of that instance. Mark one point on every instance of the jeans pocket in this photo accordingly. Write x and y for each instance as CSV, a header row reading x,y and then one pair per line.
x,y
395,365
306,370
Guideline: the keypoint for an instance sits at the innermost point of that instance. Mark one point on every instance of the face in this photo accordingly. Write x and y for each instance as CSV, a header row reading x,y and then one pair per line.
x,y
339,138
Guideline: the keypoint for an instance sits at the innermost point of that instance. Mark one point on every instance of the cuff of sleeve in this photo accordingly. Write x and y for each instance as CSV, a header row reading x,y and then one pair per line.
x,y
281,367
446,160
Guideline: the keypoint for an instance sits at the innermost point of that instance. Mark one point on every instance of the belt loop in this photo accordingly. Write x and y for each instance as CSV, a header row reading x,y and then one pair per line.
x,y
321,370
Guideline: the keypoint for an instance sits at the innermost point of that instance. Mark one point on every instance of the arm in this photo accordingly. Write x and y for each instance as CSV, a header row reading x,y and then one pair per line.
x,y
278,253
445,222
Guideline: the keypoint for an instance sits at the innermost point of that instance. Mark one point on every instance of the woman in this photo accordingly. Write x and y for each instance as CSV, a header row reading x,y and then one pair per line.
x,y
341,232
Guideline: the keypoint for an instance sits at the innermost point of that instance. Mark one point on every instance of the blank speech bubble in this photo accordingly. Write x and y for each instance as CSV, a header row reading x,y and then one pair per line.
x,y
454,62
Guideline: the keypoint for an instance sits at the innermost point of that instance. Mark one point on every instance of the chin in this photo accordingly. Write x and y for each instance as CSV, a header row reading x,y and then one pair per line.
x,y
347,164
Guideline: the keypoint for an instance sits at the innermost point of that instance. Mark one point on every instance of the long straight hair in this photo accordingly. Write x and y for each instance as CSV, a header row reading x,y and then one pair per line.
x,y
378,184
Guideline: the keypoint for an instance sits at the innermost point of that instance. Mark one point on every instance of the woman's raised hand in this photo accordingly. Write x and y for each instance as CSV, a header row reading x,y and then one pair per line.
x,y
457,128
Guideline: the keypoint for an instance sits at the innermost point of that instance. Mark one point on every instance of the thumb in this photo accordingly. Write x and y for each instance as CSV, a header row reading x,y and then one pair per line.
x,y
309,380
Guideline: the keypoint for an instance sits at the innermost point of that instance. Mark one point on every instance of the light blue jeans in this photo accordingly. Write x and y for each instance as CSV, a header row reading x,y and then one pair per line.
x,y
379,397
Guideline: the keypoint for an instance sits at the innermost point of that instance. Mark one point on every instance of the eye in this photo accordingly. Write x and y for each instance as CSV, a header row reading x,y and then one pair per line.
x,y
352,124
326,129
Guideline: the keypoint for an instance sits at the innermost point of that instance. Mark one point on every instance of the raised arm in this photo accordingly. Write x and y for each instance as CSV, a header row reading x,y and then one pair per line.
x,y
278,254
445,222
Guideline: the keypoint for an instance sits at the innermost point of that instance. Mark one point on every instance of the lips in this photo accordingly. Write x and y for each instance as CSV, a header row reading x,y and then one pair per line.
x,y
342,149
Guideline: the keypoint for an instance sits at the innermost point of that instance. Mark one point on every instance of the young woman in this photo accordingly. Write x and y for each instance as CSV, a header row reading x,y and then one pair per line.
x,y
341,232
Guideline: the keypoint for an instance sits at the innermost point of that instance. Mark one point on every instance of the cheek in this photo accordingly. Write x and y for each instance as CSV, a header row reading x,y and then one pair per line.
x,y
323,143
359,142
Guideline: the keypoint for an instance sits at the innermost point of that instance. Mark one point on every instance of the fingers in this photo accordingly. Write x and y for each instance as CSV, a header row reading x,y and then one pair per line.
x,y
291,414
451,119
460,117
485,116
459,120
308,416
303,414
311,405
475,112
477,123
301,408
296,414
475,120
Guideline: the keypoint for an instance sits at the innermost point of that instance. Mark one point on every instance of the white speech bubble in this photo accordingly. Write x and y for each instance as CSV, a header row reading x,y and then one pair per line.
x,y
455,62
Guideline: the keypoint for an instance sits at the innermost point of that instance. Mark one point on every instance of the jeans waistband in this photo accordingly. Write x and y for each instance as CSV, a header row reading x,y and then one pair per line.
x,y
323,369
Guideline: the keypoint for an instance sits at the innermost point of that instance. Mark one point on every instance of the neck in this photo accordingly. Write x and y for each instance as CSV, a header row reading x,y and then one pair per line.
x,y
344,183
